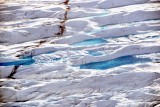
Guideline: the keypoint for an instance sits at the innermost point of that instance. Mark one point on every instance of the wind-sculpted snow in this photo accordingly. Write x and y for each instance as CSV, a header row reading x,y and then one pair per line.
x,y
74,53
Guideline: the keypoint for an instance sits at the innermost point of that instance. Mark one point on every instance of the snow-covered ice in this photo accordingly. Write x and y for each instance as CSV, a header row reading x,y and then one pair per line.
x,y
80,53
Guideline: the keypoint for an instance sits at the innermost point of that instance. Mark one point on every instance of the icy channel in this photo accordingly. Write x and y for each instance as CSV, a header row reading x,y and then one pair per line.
x,y
90,42
115,62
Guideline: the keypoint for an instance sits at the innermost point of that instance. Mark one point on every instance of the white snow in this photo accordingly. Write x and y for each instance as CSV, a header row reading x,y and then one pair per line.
x,y
37,46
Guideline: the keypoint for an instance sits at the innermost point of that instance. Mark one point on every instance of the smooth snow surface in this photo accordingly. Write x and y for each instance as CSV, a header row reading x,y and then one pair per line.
x,y
80,53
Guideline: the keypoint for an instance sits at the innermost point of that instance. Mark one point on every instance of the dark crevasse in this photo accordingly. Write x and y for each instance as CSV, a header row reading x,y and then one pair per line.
x,y
115,62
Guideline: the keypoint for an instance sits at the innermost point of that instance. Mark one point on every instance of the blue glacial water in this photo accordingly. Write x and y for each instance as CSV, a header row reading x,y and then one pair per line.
x,y
95,53
30,60
115,63
90,42
19,62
